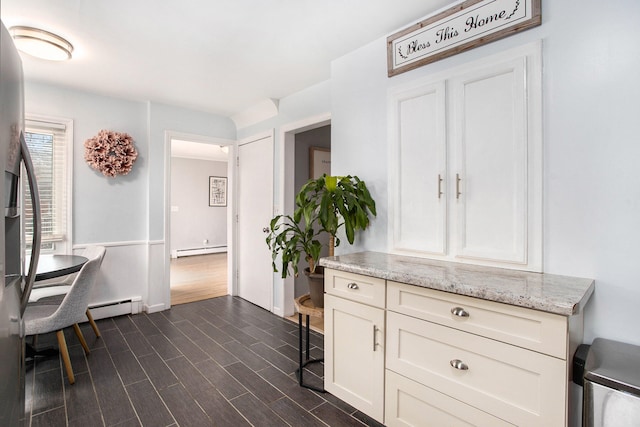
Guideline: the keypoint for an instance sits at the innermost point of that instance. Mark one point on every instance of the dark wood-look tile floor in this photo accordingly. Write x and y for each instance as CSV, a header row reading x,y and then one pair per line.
x,y
217,362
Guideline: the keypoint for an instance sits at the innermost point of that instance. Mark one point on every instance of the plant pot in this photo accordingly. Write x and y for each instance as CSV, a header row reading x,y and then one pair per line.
x,y
316,285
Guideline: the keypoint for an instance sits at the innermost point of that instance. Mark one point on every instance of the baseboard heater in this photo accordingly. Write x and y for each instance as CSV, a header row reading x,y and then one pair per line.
x,y
198,251
132,305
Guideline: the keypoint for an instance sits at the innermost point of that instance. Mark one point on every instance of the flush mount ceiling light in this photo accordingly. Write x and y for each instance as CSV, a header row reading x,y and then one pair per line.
x,y
41,44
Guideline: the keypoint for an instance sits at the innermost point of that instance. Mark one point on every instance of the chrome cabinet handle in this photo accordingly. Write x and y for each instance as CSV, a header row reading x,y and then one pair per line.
x,y
459,364
352,285
460,312
458,179
375,329
439,186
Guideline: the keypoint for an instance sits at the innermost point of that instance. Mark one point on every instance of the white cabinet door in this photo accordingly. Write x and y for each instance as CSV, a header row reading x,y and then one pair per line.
x,y
419,162
354,354
490,137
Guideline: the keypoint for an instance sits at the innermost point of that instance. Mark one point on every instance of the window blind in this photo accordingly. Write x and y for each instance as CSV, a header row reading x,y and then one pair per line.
x,y
47,142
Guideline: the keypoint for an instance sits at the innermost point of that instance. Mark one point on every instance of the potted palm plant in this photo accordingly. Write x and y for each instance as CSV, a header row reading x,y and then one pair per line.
x,y
323,205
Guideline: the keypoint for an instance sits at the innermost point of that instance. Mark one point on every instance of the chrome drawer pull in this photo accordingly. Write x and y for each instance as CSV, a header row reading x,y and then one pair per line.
x,y
352,285
459,364
375,329
460,312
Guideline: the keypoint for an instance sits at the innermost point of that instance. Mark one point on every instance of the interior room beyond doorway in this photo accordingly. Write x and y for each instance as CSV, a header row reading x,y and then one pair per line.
x,y
199,201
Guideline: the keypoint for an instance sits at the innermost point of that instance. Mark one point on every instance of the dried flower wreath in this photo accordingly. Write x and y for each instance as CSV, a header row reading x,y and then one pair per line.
x,y
111,153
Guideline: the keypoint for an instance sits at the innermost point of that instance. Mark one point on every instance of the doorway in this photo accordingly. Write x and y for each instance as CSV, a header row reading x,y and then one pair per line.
x,y
307,145
198,220
285,288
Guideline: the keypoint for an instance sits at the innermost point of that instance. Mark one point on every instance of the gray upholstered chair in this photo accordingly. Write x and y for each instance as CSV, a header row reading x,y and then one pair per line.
x,y
49,292
44,318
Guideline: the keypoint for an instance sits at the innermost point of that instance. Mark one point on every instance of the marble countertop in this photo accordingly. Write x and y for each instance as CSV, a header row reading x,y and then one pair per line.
x,y
556,294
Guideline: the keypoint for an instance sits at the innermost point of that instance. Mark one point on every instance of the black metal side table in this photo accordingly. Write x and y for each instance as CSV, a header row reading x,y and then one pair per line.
x,y
305,306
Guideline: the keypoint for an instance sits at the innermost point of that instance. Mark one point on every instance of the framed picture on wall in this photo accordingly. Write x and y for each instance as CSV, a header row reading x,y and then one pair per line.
x,y
319,162
217,191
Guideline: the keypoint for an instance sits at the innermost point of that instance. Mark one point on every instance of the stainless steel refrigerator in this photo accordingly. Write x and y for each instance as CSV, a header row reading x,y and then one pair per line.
x,y
16,285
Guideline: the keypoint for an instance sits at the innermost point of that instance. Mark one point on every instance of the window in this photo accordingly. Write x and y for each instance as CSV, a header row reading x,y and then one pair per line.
x,y
51,147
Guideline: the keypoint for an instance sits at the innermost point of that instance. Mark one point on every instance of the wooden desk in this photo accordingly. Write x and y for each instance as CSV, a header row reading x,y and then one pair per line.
x,y
305,306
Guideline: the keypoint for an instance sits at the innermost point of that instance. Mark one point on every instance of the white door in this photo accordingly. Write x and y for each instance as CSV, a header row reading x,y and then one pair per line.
x,y
255,210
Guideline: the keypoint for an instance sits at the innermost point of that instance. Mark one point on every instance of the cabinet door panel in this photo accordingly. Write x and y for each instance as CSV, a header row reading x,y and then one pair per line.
x,y
419,197
408,403
490,133
354,354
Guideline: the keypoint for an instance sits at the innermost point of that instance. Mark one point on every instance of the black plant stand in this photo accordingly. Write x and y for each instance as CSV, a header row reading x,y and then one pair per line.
x,y
305,307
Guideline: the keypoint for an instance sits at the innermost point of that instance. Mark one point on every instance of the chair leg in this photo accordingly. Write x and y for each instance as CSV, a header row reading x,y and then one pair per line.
x,y
93,323
76,328
65,356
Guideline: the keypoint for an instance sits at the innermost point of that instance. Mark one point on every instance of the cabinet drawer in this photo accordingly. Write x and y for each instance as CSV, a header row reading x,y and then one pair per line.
x,y
355,287
408,403
520,386
532,329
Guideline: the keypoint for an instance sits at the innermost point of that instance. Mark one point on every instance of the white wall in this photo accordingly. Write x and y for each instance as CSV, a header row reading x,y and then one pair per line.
x,y
591,122
96,197
108,211
125,213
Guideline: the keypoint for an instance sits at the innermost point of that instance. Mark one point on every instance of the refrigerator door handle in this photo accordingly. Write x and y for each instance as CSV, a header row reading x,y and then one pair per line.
x,y
37,236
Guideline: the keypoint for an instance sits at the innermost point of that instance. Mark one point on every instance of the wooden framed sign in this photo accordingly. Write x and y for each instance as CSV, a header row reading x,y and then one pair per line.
x,y
467,25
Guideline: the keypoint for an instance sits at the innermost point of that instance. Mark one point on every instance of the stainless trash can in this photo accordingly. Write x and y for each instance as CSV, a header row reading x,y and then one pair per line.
x,y
611,385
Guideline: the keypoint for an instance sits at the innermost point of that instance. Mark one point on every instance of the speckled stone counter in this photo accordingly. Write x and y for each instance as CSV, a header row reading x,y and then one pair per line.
x,y
562,295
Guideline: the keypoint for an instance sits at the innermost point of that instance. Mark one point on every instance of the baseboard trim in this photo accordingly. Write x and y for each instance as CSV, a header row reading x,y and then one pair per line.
x,y
198,251
154,308
105,310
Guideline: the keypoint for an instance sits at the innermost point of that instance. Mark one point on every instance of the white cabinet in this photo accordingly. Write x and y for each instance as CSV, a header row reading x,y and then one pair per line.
x,y
466,164
430,357
510,362
355,340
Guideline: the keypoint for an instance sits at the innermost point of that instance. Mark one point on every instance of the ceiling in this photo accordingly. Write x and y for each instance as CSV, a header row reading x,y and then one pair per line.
x,y
217,56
